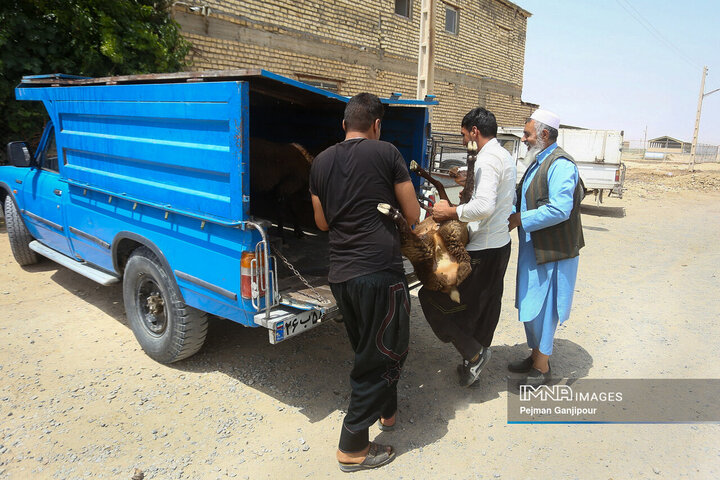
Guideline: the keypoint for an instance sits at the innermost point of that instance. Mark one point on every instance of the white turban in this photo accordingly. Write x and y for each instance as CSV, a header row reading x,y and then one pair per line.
x,y
546,117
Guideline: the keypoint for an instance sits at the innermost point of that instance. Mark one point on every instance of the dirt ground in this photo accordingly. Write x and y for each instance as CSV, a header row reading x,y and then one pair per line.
x,y
79,398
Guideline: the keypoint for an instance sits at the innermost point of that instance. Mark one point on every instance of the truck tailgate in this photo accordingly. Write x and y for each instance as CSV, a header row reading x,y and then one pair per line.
x,y
599,175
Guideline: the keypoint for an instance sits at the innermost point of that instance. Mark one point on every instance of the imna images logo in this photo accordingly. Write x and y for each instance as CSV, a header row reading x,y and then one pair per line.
x,y
565,393
555,393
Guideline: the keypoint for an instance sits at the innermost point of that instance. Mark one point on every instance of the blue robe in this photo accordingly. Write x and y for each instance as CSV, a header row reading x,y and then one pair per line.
x,y
544,293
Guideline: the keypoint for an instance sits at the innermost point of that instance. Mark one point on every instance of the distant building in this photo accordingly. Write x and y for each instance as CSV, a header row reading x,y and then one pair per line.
x,y
668,145
662,148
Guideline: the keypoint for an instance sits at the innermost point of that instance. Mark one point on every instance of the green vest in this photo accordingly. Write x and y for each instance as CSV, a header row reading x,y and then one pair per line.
x,y
565,239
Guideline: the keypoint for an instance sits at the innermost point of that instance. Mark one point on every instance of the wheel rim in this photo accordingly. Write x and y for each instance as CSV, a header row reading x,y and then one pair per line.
x,y
151,303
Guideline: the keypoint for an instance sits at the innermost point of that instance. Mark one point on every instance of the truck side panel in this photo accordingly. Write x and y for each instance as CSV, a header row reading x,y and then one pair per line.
x,y
158,160
175,145
406,128
209,253
598,146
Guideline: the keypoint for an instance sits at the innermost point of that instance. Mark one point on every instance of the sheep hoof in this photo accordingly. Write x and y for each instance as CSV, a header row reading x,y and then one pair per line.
x,y
414,166
384,208
472,147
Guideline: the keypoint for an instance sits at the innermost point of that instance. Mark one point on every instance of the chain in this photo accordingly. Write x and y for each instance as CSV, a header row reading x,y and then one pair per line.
x,y
294,270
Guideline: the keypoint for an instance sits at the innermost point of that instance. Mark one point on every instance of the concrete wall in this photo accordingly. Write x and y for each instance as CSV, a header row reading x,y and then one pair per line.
x,y
365,46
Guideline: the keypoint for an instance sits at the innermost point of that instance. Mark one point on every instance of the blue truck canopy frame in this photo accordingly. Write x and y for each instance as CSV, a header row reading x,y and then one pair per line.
x,y
192,131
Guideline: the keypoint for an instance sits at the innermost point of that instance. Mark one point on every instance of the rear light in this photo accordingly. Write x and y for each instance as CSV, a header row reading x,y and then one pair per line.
x,y
617,175
250,286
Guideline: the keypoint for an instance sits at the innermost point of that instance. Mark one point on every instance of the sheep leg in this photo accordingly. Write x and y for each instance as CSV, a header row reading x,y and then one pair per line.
x,y
417,248
467,191
293,206
414,167
397,217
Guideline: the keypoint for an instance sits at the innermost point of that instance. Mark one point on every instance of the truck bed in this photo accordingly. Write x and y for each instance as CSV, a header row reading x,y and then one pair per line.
x,y
309,255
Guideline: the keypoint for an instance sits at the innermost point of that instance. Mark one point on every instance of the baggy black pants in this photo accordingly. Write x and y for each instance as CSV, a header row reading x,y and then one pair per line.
x,y
376,313
470,324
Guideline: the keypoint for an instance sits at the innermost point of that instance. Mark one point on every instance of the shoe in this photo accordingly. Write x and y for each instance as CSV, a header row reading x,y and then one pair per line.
x,y
470,371
521,366
377,457
536,378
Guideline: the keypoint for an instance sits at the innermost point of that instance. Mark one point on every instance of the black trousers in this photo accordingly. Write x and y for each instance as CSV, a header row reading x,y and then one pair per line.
x,y
470,324
376,314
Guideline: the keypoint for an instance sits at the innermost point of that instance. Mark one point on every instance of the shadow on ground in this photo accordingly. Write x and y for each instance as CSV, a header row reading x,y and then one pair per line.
x,y
614,212
310,372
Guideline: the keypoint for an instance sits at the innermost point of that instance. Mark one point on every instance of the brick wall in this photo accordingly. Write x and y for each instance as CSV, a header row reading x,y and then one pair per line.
x,y
365,46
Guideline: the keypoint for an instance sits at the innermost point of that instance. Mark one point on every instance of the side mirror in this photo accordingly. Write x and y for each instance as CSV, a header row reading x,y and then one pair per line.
x,y
18,153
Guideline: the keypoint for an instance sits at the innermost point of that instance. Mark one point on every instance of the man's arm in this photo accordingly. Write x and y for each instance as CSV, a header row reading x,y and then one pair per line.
x,y
319,214
409,206
487,178
514,221
562,180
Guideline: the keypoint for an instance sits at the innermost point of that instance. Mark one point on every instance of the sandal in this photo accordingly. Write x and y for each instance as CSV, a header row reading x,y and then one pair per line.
x,y
377,457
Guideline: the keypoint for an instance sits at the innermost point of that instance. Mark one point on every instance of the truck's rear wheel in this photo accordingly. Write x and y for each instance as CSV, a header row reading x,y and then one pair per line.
x,y
18,235
166,328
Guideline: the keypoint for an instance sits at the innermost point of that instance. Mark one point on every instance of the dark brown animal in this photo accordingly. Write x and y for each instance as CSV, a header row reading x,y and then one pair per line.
x,y
437,250
279,174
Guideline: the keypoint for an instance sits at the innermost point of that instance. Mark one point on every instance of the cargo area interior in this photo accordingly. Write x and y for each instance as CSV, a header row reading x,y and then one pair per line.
x,y
315,123
276,123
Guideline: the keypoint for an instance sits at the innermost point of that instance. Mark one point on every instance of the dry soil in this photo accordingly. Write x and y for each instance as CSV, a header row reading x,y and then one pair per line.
x,y
79,398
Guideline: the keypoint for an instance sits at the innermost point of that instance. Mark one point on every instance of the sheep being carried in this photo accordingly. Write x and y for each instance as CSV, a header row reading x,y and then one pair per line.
x,y
437,249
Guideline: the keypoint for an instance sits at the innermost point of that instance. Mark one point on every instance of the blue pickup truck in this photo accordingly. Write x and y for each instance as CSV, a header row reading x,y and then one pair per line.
x,y
163,182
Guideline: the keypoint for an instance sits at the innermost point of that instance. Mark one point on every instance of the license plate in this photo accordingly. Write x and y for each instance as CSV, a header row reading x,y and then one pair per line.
x,y
292,325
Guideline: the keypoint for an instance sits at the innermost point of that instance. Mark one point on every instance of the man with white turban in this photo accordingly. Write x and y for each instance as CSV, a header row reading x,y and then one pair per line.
x,y
547,215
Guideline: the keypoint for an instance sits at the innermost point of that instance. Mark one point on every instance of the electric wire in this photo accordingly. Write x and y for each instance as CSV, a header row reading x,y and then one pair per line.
x,y
633,12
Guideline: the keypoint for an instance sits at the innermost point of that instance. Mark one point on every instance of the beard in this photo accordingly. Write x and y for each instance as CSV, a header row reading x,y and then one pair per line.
x,y
533,151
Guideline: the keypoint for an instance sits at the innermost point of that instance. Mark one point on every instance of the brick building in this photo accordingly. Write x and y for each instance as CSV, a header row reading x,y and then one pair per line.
x,y
351,46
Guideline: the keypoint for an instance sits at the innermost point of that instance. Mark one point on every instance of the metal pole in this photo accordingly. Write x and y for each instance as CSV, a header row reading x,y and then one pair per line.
x,y
697,121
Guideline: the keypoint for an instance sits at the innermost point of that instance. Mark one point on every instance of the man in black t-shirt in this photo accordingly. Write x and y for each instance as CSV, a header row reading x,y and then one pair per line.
x,y
347,181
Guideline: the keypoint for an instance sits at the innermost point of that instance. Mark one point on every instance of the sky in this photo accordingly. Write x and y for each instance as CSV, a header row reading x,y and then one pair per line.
x,y
625,65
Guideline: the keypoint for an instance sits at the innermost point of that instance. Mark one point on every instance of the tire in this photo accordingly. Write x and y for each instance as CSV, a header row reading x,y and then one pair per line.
x,y
166,328
18,235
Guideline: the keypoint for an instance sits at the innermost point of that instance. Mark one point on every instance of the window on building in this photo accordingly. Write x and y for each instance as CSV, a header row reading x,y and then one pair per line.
x,y
452,19
402,7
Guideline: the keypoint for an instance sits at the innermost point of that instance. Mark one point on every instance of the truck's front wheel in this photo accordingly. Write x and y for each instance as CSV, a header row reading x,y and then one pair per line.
x,y
166,328
18,235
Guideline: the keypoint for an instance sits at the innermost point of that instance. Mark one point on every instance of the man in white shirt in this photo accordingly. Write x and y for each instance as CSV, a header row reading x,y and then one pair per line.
x,y
470,326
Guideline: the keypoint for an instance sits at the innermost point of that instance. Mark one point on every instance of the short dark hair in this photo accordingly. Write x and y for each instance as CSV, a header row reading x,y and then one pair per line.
x,y
362,110
483,119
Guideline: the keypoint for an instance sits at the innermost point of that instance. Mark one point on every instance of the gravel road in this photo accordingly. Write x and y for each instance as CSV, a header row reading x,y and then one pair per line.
x,y
79,398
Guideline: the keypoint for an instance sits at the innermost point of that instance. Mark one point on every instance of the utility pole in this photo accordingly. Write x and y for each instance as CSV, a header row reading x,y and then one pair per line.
x,y
426,56
697,120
